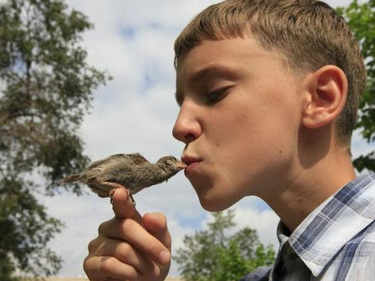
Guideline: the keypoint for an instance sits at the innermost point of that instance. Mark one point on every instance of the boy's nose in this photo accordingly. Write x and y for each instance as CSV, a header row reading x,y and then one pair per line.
x,y
186,128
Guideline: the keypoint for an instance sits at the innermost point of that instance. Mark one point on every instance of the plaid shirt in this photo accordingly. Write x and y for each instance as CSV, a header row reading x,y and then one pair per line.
x,y
335,242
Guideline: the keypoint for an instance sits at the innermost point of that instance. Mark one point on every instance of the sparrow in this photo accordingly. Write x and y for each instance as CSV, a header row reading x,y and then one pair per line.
x,y
131,171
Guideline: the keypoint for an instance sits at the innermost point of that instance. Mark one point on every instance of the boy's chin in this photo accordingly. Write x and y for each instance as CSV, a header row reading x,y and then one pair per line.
x,y
215,204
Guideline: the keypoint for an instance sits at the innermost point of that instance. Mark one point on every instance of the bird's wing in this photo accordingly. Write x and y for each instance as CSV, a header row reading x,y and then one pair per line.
x,y
112,158
97,163
138,159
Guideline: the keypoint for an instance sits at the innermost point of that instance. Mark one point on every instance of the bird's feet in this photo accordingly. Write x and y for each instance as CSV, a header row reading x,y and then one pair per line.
x,y
116,185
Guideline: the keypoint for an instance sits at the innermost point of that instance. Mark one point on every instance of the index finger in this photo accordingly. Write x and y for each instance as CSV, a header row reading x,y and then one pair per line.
x,y
122,204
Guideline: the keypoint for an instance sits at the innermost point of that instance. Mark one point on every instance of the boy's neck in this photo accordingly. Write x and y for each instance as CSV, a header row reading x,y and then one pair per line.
x,y
310,187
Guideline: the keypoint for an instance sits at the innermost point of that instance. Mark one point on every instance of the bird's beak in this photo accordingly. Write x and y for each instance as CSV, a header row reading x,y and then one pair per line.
x,y
181,165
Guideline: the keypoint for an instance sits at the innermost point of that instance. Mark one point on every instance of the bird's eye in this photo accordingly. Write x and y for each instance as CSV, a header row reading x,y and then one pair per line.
x,y
216,96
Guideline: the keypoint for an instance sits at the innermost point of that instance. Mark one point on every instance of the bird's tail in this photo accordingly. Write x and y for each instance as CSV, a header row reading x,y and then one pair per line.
x,y
70,178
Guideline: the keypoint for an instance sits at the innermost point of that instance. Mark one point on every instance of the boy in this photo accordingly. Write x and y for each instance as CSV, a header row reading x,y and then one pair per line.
x,y
268,93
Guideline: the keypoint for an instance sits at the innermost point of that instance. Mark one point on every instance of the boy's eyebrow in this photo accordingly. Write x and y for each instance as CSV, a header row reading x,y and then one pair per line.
x,y
214,70
210,71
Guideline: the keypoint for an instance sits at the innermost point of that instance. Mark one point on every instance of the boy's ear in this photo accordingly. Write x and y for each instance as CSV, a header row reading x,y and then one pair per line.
x,y
325,96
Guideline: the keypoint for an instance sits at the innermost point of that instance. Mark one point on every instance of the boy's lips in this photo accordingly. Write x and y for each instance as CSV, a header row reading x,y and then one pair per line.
x,y
191,163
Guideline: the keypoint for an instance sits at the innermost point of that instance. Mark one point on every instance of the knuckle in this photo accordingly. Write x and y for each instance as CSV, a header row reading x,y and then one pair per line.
x,y
90,267
153,273
127,225
106,265
134,275
102,228
86,264
93,245
124,250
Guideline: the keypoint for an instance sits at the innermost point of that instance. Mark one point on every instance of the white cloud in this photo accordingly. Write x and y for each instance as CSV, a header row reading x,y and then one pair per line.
x,y
264,221
252,212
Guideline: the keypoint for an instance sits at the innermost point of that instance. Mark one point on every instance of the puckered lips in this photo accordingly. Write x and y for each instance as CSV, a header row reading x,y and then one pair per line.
x,y
191,162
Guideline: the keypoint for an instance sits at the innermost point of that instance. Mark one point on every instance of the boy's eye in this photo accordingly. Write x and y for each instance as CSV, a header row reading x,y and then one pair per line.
x,y
216,96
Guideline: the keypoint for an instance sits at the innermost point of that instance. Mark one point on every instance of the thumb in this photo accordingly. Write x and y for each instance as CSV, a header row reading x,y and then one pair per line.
x,y
156,224
123,206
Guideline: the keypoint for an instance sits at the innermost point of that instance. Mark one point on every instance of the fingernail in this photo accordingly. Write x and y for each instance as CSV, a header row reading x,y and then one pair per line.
x,y
111,193
156,272
164,257
155,217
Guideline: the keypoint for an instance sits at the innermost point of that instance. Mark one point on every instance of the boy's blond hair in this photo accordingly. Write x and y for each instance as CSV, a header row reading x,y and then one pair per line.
x,y
308,33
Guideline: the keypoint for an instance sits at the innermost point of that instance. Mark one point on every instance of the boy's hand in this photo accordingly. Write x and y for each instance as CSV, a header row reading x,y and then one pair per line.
x,y
129,246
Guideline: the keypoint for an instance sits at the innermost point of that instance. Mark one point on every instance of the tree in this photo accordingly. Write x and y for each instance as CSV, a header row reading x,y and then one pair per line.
x,y
45,90
213,255
361,19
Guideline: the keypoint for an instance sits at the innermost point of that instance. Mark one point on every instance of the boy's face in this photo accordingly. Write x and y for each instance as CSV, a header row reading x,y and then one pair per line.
x,y
239,118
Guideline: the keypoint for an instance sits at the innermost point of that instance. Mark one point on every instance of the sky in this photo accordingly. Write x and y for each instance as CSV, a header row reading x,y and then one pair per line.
x,y
135,112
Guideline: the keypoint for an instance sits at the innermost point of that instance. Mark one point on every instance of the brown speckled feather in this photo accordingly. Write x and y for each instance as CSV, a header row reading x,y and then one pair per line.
x,y
132,171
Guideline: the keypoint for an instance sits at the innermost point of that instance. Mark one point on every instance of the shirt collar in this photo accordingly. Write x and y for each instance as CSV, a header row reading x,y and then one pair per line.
x,y
335,222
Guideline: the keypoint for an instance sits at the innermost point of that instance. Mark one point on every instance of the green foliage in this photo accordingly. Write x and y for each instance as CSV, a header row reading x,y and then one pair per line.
x,y
361,19
213,255
45,90
25,229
